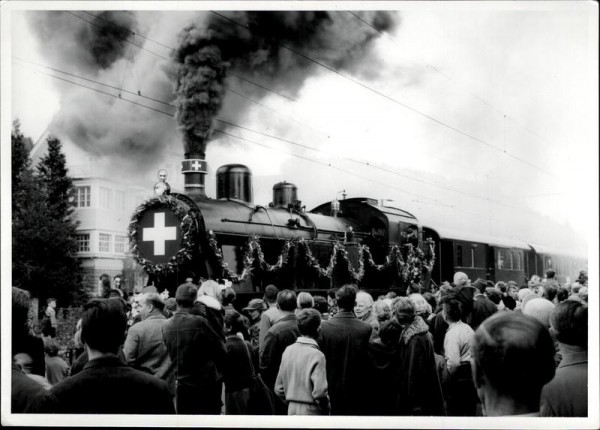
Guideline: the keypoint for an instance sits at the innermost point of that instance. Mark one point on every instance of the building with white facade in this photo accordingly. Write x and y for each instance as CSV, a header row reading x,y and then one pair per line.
x,y
104,206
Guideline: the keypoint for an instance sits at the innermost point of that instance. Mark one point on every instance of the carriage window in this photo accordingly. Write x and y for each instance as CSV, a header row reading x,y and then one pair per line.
x,y
472,256
500,259
518,260
510,260
459,256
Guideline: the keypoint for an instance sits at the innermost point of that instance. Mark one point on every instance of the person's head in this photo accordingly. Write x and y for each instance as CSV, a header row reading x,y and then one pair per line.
x,y
550,274
480,285
190,277
583,294
286,301
391,295
117,280
422,308
321,304
460,279
305,300
509,303
331,297
20,312
430,298
583,277
50,347
346,297
170,307
550,289
404,310
115,293
444,290
451,308
389,332
150,303
561,295
382,310
227,296
512,357
186,295
569,323
502,287
523,292
494,295
234,322
576,287
540,309
534,282
103,325
162,175
513,291
51,302
77,335
210,288
271,292
309,322
364,304
255,309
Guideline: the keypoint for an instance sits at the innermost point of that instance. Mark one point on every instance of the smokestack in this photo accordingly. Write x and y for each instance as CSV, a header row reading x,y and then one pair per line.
x,y
194,169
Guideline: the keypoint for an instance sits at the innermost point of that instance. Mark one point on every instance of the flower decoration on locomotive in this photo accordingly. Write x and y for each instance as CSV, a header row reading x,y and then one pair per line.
x,y
188,223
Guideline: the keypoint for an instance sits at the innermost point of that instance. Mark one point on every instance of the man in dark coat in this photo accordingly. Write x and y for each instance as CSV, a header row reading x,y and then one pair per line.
x,y
567,395
279,337
465,293
199,355
106,385
345,340
483,307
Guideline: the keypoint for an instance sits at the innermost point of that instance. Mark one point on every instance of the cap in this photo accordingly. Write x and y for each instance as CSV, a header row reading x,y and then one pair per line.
x,y
256,304
186,293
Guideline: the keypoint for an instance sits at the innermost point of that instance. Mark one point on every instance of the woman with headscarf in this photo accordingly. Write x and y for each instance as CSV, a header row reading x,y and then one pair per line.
x,y
208,304
420,391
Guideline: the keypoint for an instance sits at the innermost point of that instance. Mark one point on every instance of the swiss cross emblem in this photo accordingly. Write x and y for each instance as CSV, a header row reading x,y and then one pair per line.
x,y
159,234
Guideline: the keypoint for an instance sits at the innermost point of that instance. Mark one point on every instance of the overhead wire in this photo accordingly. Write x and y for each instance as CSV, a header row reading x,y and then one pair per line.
x,y
394,100
435,69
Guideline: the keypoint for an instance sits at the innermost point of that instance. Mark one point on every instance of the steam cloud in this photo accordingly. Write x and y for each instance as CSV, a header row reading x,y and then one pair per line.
x,y
208,50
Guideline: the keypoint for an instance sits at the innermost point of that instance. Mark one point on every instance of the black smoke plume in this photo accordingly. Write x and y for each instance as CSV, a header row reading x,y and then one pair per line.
x,y
254,43
89,41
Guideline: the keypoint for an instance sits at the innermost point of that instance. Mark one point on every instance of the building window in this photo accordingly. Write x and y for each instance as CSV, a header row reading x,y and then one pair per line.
x,y
104,244
459,256
119,200
82,197
83,242
105,198
120,242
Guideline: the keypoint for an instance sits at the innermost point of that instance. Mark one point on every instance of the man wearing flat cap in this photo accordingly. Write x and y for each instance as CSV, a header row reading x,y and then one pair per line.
x,y
254,311
199,355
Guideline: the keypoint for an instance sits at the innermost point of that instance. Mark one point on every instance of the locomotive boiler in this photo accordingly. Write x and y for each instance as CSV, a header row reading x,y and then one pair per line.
x,y
230,237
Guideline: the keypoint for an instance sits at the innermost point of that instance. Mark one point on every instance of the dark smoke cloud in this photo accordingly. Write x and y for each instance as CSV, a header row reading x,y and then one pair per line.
x,y
208,50
87,44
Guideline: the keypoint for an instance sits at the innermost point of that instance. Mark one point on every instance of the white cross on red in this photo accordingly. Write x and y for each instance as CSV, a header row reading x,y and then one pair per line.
x,y
159,234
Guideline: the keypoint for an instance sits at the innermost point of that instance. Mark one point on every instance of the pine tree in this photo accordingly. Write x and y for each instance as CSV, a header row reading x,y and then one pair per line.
x,y
44,226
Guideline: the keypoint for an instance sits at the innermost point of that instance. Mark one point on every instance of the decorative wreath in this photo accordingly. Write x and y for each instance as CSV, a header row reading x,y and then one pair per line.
x,y
187,223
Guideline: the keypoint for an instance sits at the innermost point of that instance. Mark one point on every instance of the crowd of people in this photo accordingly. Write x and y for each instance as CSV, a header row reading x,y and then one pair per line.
x,y
463,349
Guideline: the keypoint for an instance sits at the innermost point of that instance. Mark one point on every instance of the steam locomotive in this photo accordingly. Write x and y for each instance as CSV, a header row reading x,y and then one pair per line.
x,y
230,237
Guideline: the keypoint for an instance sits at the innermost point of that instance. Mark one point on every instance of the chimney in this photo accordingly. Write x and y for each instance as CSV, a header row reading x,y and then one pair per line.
x,y
194,169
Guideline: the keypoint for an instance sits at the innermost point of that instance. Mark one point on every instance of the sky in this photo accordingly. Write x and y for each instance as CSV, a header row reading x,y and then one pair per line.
x,y
478,117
